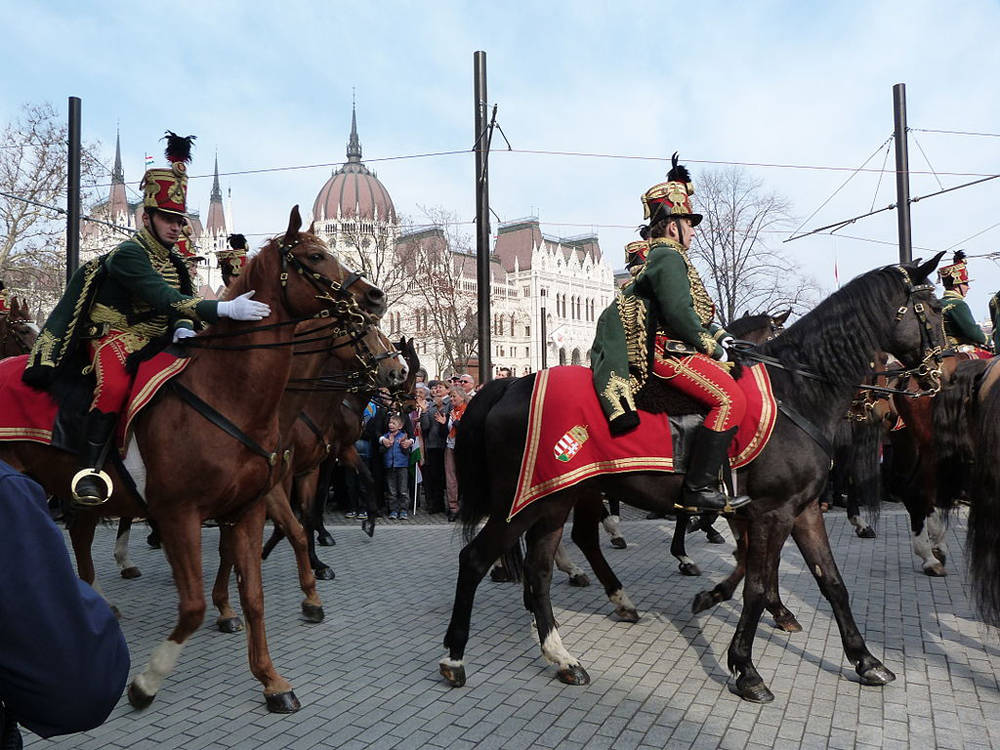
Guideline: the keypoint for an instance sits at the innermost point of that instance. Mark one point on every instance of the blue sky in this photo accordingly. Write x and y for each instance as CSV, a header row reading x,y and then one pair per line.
x,y
804,83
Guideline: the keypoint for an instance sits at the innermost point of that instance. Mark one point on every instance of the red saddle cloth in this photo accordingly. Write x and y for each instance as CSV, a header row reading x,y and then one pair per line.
x,y
30,414
568,438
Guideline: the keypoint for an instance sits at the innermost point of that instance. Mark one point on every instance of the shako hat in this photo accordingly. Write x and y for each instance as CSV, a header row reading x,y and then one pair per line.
x,y
635,253
957,272
165,188
672,197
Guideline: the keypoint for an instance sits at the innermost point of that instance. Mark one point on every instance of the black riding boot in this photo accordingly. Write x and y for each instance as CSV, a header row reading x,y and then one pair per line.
x,y
701,482
91,486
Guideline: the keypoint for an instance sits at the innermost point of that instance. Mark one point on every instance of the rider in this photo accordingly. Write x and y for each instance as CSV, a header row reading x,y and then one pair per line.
x,y
3,299
995,320
960,327
688,349
123,307
231,261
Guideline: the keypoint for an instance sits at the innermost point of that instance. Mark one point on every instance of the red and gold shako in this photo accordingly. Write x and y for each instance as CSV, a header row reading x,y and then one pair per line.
x,y
671,198
235,257
635,253
165,188
957,272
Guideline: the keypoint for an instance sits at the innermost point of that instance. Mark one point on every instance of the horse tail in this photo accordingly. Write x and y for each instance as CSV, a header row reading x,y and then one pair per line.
x,y
983,535
952,422
866,473
472,455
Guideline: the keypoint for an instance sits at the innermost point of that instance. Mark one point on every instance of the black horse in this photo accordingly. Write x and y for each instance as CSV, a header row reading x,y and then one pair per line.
x,y
890,309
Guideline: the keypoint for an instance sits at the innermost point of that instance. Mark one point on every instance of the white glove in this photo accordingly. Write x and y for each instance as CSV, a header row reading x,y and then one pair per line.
x,y
183,333
727,341
724,356
244,308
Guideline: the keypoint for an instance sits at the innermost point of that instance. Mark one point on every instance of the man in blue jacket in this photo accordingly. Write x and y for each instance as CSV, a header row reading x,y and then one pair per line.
x,y
63,658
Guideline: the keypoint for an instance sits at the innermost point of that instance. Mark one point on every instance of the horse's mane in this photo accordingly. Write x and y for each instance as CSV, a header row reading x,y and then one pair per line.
x,y
741,326
838,338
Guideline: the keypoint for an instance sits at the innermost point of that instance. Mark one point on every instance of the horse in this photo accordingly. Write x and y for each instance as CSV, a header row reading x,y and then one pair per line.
x,y
17,331
889,309
172,445
368,361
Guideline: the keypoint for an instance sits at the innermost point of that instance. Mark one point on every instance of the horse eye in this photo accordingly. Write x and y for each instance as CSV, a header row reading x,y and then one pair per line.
x,y
316,257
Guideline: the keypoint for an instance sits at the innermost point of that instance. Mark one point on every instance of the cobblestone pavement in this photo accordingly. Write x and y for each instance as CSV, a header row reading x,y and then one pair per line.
x,y
367,676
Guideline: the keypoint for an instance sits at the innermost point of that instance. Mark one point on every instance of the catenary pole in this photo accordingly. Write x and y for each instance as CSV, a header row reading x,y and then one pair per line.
x,y
902,173
482,218
73,189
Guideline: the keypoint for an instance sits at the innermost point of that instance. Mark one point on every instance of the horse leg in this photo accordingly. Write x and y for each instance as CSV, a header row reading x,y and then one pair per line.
x,y
686,565
246,540
542,539
305,492
181,540
565,563
861,529
723,591
937,526
227,621
475,559
272,541
280,511
611,521
315,515
125,566
706,525
809,533
923,546
765,537
368,484
586,537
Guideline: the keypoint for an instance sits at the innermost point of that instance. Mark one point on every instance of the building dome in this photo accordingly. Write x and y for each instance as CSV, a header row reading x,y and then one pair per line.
x,y
353,191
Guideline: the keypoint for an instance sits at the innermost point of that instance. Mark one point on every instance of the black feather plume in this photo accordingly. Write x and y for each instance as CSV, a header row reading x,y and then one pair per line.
x,y
678,172
178,146
958,257
237,242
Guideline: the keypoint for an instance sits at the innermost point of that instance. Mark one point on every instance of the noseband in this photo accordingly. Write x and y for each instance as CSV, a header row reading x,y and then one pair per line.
x,y
344,305
10,332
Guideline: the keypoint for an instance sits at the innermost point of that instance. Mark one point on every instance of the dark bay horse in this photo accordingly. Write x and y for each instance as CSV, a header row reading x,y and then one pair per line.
x,y
890,309
189,470
17,331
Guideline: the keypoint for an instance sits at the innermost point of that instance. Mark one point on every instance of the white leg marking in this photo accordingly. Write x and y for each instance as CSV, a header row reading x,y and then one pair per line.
x,y
855,522
923,548
564,563
161,663
554,651
685,560
136,467
936,530
621,600
449,662
121,552
611,526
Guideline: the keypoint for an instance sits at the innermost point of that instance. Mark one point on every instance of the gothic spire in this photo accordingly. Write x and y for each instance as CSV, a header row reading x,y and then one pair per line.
x,y
354,145
216,190
118,174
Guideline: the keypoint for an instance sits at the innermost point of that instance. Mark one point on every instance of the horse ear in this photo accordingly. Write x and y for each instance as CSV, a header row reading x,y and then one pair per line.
x,y
294,225
746,313
312,227
923,271
780,318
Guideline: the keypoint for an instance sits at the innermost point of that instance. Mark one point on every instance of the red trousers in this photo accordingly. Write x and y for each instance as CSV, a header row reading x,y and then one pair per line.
x,y
705,380
114,384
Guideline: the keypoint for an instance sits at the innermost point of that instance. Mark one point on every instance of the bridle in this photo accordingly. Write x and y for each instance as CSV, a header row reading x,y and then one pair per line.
x,y
345,306
10,332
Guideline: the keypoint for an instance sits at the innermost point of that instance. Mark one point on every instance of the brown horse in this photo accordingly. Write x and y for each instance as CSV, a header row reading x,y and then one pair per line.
x,y
17,331
369,361
189,470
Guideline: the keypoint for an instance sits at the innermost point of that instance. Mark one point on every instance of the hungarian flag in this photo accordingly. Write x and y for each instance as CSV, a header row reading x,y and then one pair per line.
x,y
149,161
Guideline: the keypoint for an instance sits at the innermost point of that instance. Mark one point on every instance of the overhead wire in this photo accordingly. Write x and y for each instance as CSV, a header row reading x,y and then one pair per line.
x,y
921,148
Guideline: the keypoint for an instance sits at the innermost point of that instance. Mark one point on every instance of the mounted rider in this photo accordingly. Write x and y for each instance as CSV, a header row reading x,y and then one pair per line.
x,y
231,261
662,322
960,327
123,307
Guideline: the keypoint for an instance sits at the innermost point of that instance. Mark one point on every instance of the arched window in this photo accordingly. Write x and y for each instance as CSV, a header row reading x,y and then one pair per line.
x,y
562,356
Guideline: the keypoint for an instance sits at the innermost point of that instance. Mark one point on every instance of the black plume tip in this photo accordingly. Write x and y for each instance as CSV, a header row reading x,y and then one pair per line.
x,y
178,147
678,172
958,257
237,242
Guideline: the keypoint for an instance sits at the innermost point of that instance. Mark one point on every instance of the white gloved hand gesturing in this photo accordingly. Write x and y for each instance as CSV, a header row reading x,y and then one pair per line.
x,y
244,308
183,333
727,341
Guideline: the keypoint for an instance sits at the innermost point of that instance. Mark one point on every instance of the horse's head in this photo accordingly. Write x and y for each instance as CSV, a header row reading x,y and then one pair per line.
x,y
17,331
373,353
313,281
758,328
917,335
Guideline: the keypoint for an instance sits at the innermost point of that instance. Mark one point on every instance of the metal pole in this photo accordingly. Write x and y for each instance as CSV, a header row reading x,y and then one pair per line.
x,y
544,334
902,173
482,219
73,190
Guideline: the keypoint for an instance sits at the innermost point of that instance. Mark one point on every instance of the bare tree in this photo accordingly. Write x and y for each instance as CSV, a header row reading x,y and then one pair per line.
x,y
33,182
737,245
441,276
371,248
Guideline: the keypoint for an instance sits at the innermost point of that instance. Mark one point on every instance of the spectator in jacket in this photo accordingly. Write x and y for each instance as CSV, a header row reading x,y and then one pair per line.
x,y
434,430
395,447
459,400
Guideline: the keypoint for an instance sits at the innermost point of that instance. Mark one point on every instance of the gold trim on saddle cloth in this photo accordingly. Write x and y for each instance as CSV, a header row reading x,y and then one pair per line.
x,y
29,434
148,390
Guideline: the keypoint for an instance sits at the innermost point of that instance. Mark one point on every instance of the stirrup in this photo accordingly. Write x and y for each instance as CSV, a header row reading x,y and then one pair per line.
x,y
87,501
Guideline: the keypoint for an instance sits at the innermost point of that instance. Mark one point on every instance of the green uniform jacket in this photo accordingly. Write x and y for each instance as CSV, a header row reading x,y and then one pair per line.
x,y
959,325
994,315
140,287
666,297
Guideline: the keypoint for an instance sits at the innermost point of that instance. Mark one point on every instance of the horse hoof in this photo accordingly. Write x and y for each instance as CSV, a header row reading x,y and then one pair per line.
x,y
137,698
702,601
940,555
787,623
131,572
866,533
229,624
714,537
153,541
618,542
754,692
325,539
879,674
574,675
325,573
689,569
368,527
313,612
935,571
282,703
454,673
627,614
580,580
